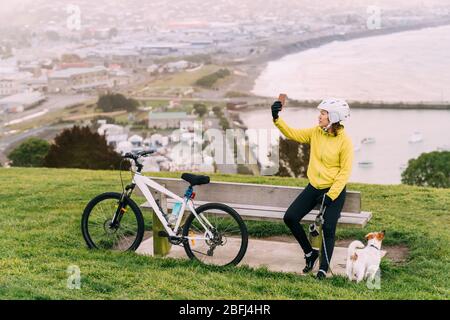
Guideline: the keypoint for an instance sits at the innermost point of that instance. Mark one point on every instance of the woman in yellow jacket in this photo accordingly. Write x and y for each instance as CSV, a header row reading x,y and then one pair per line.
x,y
329,169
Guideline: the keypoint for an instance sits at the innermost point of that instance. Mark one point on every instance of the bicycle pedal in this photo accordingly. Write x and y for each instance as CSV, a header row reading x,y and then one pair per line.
x,y
163,234
175,240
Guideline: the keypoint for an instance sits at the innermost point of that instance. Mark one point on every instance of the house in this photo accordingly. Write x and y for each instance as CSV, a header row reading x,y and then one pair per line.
x,y
78,79
167,120
147,144
187,125
21,101
37,84
113,133
124,147
13,83
32,67
177,66
150,165
120,78
158,140
110,129
125,58
136,142
114,139
161,48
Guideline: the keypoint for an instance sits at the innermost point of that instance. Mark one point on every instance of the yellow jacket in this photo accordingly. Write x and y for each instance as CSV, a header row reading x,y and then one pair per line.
x,y
330,162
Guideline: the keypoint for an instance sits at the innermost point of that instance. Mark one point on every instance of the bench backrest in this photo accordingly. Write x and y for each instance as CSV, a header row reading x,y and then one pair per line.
x,y
251,194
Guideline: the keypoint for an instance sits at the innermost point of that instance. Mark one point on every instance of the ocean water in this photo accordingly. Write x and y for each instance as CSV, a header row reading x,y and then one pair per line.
x,y
411,66
391,131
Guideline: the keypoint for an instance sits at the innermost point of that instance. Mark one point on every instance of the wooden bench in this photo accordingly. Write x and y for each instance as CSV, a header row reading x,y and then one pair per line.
x,y
261,202
251,201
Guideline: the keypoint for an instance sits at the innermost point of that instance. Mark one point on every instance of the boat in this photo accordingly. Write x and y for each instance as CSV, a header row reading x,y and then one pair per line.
x,y
365,163
368,140
415,137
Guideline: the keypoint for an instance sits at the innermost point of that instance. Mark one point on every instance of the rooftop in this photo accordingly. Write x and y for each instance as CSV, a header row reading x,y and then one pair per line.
x,y
169,115
67,73
23,98
16,76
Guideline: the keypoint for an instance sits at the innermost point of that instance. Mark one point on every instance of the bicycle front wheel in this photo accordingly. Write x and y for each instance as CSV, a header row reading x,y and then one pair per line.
x,y
227,242
98,228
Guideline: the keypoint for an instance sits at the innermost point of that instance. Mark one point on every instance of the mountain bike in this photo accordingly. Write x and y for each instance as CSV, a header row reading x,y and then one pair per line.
x,y
213,233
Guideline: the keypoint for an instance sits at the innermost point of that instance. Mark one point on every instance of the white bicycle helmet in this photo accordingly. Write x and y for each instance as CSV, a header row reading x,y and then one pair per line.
x,y
338,110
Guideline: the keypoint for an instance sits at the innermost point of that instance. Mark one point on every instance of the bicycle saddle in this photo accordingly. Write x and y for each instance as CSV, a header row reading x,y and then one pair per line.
x,y
195,179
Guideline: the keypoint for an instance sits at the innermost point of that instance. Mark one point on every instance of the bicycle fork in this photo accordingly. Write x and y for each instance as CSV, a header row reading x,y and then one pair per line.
x,y
122,205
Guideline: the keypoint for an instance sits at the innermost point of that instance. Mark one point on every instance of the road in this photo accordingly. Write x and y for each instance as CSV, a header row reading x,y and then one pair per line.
x,y
54,102
7,143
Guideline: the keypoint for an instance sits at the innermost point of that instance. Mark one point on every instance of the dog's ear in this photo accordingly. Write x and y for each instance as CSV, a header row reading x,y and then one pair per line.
x,y
380,235
369,236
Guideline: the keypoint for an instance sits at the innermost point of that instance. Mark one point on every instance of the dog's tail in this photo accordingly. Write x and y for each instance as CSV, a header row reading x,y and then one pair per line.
x,y
352,248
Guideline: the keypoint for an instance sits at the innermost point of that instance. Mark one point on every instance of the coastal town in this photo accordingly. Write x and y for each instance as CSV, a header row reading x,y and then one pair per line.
x,y
54,68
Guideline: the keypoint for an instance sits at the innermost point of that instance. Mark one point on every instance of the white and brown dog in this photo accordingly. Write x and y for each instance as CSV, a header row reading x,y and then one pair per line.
x,y
364,262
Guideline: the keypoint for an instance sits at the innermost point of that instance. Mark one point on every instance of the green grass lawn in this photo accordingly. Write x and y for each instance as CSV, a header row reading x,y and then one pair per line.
x,y
40,237
184,78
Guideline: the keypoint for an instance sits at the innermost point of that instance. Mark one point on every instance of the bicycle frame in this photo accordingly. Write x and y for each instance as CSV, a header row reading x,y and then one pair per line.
x,y
145,184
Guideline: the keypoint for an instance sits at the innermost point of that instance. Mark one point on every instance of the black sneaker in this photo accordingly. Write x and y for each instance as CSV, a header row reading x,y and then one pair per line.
x,y
321,275
311,261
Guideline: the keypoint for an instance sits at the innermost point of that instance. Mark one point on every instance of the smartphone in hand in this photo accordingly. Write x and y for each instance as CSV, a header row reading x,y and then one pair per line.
x,y
282,98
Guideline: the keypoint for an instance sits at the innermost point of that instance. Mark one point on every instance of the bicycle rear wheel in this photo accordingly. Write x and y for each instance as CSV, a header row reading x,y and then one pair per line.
x,y
98,230
230,237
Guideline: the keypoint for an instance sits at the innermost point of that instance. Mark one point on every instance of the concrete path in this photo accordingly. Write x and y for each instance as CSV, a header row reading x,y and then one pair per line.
x,y
275,255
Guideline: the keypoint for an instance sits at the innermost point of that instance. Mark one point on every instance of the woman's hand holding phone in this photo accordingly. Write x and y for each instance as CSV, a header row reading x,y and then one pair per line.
x,y
277,106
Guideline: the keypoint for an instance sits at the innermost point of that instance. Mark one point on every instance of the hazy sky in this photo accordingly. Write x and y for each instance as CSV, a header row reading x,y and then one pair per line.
x,y
11,5
8,7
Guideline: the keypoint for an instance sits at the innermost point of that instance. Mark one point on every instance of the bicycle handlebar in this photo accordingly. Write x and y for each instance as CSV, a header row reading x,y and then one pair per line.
x,y
135,156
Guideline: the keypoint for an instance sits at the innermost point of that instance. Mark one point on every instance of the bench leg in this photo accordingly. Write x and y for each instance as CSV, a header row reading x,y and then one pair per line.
x,y
161,245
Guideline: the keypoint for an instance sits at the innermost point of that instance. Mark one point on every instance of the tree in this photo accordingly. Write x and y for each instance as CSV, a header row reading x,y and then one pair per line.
x,y
217,111
223,122
200,109
30,153
79,147
209,80
116,101
294,158
70,57
429,169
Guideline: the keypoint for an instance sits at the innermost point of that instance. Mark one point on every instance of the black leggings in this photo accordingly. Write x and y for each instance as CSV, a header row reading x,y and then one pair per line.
x,y
301,206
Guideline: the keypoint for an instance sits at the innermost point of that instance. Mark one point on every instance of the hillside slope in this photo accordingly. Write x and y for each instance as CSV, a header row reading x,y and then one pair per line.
x,y
40,237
